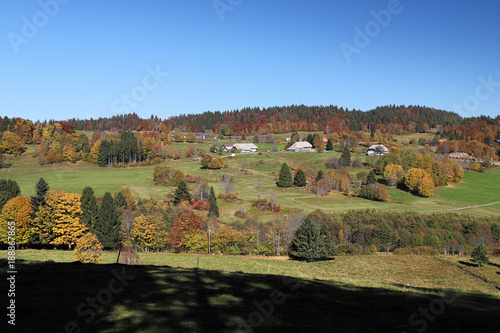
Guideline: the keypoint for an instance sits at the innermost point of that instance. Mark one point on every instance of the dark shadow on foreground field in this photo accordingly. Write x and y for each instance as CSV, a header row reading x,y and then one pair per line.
x,y
166,299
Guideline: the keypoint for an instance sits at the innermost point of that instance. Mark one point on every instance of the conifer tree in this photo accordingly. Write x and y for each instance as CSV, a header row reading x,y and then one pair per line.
x,y
371,178
307,243
329,145
480,255
319,176
328,247
182,193
108,223
299,179
8,190
346,155
285,177
89,208
38,200
214,209
120,200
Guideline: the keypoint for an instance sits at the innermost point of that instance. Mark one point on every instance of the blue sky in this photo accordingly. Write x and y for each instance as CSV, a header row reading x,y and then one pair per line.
x,y
72,58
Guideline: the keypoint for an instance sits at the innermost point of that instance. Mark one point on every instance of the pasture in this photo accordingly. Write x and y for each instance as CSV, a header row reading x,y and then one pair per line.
x,y
376,293
250,169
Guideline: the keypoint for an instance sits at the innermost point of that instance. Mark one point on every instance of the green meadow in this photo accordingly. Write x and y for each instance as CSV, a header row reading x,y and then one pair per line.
x,y
250,169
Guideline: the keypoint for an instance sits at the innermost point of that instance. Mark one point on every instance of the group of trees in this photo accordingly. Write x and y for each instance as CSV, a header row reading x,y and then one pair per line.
x,y
55,218
419,173
52,217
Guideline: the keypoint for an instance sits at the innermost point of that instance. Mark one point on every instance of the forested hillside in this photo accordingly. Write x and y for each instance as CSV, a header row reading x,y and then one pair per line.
x,y
388,119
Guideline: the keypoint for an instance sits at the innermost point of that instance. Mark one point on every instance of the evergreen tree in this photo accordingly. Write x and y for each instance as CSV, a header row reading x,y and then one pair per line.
x,y
371,178
346,155
307,244
90,210
310,138
480,255
329,145
285,177
102,158
214,209
182,193
5,124
8,190
120,200
108,223
38,200
319,176
327,245
300,179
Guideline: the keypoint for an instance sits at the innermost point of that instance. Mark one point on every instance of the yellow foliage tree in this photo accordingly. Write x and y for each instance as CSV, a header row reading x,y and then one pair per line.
x,y
94,152
225,240
393,174
88,249
216,163
148,233
17,210
413,177
11,143
66,210
69,152
426,187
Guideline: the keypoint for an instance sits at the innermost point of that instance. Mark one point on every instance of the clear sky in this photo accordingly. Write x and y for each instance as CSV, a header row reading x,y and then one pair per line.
x,y
73,58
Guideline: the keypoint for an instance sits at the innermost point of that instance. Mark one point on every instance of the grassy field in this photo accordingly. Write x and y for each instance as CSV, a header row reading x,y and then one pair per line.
x,y
166,293
476,188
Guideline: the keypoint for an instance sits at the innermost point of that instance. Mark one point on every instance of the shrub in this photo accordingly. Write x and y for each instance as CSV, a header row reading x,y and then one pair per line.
x,y
374,192
421,250
241,213
88,249
228,197
129,256
264,205
165,175
201,205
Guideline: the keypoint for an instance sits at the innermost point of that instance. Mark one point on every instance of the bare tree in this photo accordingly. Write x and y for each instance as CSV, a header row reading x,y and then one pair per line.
x,y
259,188
212,225
273,198
227,183
201,190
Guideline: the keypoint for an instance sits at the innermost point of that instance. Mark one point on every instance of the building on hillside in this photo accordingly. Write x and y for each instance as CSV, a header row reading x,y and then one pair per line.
x,y
227,147
460,156
246,147
200,135
377,150
300,146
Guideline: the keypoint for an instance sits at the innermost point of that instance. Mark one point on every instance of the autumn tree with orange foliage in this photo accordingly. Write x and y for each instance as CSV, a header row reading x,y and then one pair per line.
x,y
16,210
186,223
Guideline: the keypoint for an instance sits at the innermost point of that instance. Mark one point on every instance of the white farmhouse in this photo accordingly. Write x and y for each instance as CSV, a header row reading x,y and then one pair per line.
x,y
246,147
300,146
377,150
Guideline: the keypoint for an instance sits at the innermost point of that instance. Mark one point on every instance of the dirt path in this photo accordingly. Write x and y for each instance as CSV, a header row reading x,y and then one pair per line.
x,y
460,208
